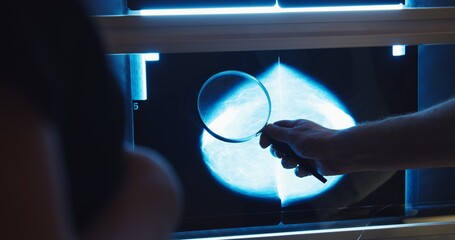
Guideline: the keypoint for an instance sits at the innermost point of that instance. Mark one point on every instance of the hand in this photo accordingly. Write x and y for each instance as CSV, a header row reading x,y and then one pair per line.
x,y
308,140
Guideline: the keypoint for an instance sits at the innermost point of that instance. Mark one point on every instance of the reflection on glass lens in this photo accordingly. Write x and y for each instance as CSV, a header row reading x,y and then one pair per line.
x,y
234,106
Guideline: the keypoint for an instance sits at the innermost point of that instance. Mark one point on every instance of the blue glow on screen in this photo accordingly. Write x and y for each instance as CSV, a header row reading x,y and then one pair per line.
x,y
272,9
248,169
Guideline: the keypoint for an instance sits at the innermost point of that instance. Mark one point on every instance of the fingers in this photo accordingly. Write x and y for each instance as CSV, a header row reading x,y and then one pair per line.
x,y
275,152
288,123
289,163
301,172
264,140
280,135
270,132
277,132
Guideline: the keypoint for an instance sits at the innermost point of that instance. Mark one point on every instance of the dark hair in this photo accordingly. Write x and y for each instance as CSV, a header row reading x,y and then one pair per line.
x,y
53,56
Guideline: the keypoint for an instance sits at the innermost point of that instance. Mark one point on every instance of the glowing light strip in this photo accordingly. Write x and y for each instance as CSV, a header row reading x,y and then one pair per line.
x,y
258,10
145,57
403,226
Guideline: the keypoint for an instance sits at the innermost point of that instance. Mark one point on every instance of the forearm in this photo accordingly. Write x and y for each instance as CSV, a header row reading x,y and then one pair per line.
x,y
419,140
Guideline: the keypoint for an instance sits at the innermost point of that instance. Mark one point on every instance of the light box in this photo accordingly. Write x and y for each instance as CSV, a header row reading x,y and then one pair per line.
x,y
343,60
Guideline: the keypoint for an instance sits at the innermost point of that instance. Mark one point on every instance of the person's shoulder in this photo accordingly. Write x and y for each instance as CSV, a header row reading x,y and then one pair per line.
x,y
150,194
150,165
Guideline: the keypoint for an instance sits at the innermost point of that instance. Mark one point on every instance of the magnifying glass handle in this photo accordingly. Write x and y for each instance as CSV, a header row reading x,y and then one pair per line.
x,y
301,161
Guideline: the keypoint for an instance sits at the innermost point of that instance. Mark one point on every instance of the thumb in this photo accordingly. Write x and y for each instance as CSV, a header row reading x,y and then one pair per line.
x,y
278,133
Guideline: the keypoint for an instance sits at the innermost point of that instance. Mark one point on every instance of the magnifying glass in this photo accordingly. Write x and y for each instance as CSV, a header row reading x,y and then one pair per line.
x,y
235,107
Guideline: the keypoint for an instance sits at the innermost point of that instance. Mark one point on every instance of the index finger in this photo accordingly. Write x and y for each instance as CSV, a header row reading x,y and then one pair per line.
x,y
264,140
277,133
287,123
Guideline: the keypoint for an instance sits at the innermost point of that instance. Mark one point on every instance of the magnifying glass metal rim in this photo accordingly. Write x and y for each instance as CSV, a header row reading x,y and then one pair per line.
x,y
247,76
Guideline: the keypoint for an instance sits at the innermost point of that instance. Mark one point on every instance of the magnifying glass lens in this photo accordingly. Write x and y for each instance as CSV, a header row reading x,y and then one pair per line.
x,y
234,106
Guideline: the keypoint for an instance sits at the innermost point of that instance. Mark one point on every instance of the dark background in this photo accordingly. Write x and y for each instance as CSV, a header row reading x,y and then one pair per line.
x,y
369,81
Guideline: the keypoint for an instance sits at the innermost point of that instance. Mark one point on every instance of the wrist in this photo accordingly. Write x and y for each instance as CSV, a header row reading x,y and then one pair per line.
x,y
343,148
363,147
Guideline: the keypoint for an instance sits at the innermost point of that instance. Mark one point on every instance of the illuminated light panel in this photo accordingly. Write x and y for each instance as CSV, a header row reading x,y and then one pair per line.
x,y
151,56
248,169
144,58
258,10
398,50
